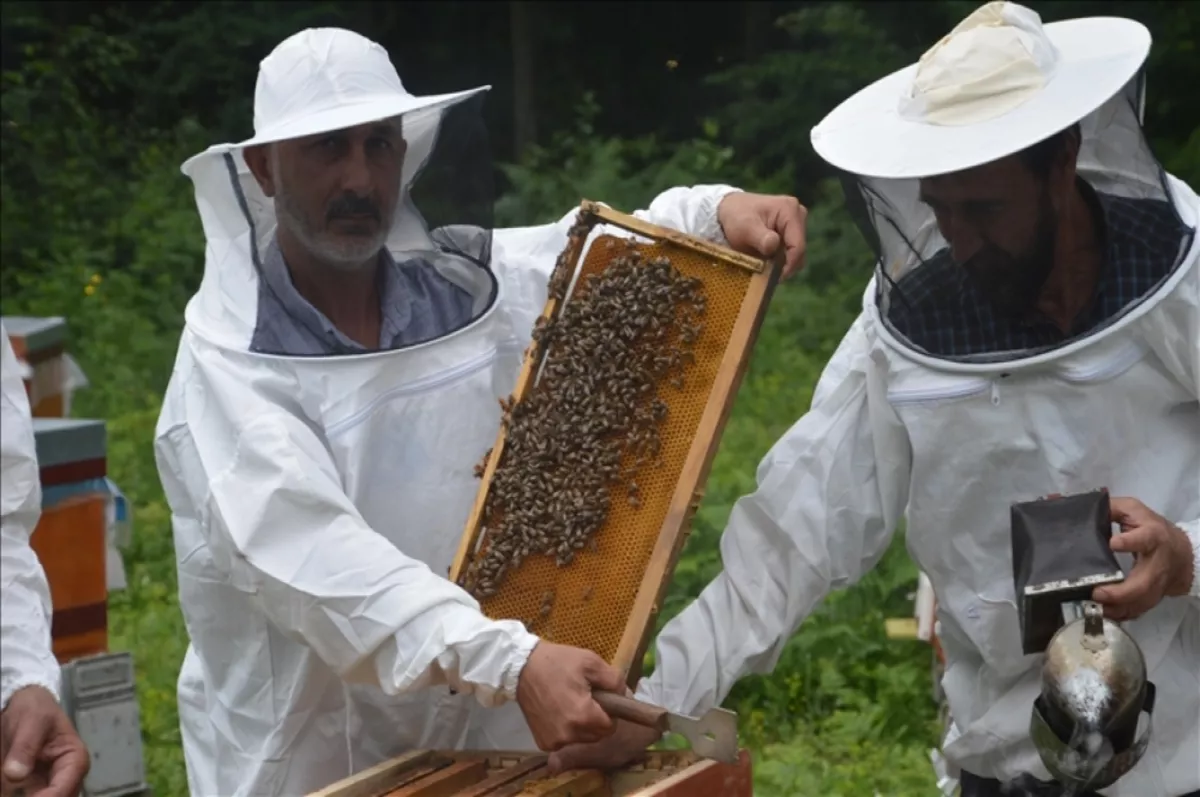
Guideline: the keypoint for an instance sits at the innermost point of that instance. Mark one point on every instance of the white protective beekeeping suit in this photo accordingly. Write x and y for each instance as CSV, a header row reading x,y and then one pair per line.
x,y
317,502
899,430
26,658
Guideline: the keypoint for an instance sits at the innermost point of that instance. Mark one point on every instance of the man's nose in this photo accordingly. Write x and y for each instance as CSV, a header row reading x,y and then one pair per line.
x,y
965,242
357,177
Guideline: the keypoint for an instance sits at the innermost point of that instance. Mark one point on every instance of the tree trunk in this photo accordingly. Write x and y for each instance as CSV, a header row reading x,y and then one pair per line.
x,y
524,123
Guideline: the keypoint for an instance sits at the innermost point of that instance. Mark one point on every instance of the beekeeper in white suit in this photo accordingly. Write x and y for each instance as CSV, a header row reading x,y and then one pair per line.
x,y
336,382
40,752
1033,327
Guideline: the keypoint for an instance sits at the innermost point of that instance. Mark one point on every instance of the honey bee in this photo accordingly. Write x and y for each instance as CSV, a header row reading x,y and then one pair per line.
x,y
591,419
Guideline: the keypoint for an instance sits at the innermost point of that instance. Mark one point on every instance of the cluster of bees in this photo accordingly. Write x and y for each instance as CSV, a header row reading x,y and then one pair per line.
x,y
591,422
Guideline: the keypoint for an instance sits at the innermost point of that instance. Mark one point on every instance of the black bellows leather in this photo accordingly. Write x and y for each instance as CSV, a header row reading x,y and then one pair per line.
x,y
1060,552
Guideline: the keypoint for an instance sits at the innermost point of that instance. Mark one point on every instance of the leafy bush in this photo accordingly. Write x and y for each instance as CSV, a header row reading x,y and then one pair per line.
x,y
625,173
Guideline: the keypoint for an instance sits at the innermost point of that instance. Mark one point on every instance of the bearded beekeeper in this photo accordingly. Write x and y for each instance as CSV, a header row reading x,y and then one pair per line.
x,y
336,382
1033,327
40,752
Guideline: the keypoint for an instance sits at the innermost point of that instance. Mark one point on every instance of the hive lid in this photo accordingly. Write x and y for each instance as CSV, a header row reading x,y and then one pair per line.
x,y
32,335
68,441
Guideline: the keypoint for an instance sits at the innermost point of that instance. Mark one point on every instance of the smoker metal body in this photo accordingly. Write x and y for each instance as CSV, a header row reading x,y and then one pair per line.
x,y
1091,721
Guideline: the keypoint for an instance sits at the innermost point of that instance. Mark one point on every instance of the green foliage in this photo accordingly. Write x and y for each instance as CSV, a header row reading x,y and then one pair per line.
x,y
102,102
144,618
579,162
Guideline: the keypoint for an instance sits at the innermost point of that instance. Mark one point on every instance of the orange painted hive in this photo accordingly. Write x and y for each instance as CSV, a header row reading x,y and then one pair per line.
x,y
69,539
605,598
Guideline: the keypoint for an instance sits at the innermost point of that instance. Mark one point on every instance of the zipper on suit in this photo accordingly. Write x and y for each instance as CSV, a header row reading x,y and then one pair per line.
x,y
425,385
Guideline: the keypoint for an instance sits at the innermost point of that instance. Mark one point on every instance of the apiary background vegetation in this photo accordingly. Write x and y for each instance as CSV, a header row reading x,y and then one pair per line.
x,y
102,101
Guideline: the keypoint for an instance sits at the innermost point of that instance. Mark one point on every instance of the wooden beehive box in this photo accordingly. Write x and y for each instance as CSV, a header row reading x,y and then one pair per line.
x,y
41,344
69,539
604,599
501,774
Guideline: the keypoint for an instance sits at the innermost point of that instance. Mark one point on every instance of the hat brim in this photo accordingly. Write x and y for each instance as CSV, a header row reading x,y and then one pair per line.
x,y
866,135
384,107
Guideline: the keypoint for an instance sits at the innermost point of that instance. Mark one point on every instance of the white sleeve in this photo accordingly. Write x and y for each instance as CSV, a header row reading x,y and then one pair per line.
x,y
26,658
267,496
1192,530
525,256
1172,331
829,496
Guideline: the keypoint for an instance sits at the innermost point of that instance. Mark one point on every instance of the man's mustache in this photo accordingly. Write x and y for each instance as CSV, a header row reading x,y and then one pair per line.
x,y
351,206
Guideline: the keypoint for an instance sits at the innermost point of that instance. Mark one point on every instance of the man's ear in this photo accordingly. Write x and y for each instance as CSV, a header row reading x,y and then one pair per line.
x,y
258,158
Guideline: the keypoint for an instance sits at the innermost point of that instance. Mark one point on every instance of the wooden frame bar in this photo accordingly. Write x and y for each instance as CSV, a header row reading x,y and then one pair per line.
x,y
676,526
466,773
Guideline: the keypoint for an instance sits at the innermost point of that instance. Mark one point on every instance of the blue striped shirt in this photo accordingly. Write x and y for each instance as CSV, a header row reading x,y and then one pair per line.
x,y
417,304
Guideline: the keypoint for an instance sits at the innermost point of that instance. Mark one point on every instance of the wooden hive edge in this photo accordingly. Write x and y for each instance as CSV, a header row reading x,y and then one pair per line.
x,y
379,779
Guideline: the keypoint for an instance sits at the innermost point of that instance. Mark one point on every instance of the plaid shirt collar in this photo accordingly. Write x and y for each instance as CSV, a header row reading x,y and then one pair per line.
x,y
939,309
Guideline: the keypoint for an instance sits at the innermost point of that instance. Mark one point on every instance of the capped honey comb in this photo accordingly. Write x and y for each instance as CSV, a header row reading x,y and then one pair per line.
x,y
604,596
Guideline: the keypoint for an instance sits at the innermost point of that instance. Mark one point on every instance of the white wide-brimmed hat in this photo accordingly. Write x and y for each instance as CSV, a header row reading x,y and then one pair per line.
x,y
316,81
998,83
324,79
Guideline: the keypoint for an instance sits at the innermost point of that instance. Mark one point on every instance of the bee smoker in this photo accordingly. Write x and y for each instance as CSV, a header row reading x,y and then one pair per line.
x,y
1085,723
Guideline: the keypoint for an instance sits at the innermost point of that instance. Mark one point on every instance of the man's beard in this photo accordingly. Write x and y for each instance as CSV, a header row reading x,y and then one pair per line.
x,y
1013,283
343,253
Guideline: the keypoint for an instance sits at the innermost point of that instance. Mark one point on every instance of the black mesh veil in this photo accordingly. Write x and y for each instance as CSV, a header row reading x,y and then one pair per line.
x,y
922,295
434,276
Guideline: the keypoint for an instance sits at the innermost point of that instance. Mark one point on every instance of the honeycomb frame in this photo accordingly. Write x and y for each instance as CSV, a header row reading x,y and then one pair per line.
x,y
627,574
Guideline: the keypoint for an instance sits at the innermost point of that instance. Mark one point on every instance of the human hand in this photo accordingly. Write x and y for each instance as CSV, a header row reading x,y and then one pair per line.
x,y
627,744
555,695
755,224
43,755
1163,561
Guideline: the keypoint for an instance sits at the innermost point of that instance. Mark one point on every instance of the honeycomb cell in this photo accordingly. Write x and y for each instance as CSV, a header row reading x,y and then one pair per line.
x,y
595,593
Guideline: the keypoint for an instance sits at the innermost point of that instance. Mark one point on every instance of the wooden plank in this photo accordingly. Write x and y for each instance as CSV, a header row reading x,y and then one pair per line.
x,y
418,775
677,525
577,783
505,777
378,779
709,778
647,230
446,782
